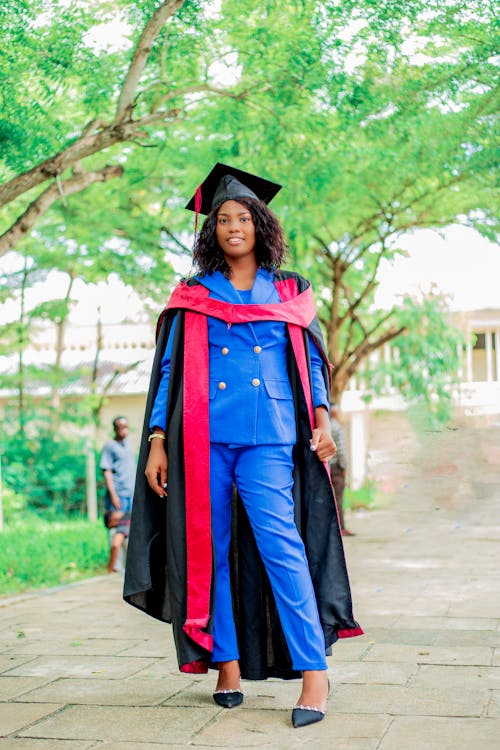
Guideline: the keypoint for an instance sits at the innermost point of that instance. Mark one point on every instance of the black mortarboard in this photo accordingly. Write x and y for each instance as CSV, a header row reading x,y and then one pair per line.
x,y
226,183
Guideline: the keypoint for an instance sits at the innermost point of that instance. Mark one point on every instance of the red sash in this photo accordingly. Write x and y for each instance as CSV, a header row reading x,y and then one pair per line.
x,y
297,310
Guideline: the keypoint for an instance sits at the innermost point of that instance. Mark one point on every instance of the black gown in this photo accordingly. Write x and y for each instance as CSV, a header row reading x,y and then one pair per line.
x,y
155,576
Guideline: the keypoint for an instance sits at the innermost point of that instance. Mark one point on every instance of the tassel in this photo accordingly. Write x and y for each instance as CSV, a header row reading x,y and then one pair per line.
x,y
198,200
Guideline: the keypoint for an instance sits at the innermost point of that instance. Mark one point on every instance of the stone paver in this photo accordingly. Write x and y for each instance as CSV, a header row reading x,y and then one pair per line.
x,y
429,654
376,673
494,706
20,743
262,728
476,678
11,661
437,733
159,724
99,692
79,666
15,716
80,670
11,687
88,646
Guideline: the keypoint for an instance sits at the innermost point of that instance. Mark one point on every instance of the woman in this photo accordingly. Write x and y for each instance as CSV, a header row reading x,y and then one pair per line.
x,y
253,584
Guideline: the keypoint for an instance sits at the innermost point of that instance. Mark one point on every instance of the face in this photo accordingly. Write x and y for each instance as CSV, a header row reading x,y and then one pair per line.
x,y
235,231
121,429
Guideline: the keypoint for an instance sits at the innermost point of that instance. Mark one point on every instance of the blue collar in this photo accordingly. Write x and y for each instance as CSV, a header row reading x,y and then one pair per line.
x,y
262,292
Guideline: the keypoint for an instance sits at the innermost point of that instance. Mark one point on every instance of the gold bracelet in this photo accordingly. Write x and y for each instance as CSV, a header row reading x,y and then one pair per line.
x,y
156,434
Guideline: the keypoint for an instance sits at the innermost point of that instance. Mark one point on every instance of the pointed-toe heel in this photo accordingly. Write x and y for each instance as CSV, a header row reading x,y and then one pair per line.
x,y
302,716
228,698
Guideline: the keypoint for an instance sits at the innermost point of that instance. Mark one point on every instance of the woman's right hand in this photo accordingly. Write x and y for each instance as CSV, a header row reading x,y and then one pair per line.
x,y
157,467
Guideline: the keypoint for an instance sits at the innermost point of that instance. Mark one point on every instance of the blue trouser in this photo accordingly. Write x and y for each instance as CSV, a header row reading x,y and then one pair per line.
x,y
263,477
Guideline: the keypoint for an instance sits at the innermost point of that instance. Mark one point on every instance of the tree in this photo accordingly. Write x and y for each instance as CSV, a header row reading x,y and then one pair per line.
x,y
424,360
118,119
377,119
368,148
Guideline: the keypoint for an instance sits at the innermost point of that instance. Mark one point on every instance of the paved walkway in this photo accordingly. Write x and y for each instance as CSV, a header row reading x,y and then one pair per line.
x,y
81,670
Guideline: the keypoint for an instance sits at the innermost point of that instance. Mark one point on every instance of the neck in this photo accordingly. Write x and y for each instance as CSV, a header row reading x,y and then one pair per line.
x,y
243,273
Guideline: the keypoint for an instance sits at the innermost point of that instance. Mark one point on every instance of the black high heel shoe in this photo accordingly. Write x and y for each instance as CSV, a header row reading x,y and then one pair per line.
x,y
228,698
302,716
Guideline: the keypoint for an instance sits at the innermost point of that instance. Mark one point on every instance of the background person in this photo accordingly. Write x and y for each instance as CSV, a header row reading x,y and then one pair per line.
x,y
118,466
119,523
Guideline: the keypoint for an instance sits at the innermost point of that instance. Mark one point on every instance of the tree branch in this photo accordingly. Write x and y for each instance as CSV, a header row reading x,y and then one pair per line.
x,y
96,136
89,143
353,322
350,312
349,353
372,283
40,205
325,251
349,366
116,373
380,322
142,51
184,248
367,348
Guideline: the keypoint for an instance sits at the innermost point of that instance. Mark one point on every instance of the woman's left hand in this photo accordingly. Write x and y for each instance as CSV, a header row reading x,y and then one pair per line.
x,y
323,444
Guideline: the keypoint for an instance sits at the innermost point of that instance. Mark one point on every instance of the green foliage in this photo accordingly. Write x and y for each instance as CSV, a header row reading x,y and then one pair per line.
x,y
364,497
44,469
35,553
13,504
426,359
43,56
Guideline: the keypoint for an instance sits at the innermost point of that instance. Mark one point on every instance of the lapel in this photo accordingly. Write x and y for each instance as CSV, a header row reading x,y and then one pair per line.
x,y
262,292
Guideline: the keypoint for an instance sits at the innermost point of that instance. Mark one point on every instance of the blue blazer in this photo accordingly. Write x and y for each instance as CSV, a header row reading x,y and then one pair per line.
x,y
250,394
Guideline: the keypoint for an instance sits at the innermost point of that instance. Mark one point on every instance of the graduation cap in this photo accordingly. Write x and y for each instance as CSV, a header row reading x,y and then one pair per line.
x,y
226,183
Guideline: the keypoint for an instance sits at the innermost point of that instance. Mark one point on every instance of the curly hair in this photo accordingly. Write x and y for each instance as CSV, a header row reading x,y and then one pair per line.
x,y
270,247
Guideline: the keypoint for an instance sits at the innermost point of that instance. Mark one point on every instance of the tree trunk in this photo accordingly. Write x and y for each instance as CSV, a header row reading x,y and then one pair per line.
x,y
60,332
96,404
21,346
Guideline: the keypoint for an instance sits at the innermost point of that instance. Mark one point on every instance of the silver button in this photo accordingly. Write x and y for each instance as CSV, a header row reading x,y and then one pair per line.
x,y
225,350
257,349
256,382
222,385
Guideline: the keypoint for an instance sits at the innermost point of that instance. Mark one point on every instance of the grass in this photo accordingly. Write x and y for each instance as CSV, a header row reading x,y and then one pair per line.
x,y
36,553
364,497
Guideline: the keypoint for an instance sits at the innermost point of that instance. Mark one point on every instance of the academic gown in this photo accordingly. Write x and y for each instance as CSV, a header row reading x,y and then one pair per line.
x,y
163,537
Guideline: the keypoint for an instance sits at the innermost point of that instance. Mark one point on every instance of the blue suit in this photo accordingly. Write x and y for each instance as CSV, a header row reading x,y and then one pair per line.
x,y
249,386
252,433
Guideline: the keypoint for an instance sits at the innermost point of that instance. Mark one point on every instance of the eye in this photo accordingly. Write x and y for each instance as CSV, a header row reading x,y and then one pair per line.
x,y
245,218
222,221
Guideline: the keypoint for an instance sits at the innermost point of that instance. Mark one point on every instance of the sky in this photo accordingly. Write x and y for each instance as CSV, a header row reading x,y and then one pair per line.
x,y
459,262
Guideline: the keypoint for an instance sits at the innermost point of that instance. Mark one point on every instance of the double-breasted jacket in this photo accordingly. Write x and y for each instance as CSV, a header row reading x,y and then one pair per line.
x,y
250,396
